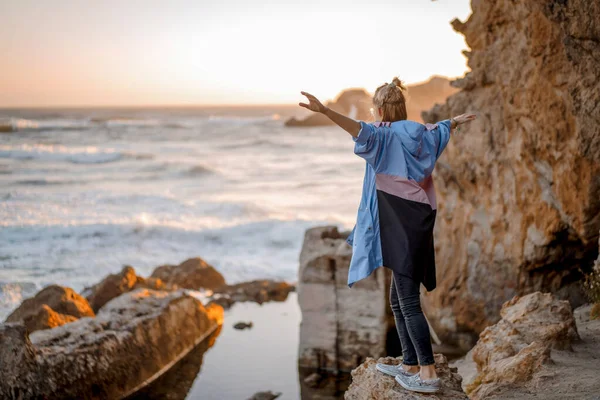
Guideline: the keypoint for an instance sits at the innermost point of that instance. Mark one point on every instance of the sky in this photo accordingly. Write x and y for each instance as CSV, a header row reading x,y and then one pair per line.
x,y
198,52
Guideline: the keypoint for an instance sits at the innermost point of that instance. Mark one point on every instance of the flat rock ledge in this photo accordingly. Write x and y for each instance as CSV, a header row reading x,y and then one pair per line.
x,y
133,340
368,383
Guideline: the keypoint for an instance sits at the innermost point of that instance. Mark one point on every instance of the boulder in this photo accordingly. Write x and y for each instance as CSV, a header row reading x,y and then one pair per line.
x,y
46,318
340,326
243,325
368,383
115,285
259,291
133,340
265,396
541,317
50,307
519,188
513,350
194,273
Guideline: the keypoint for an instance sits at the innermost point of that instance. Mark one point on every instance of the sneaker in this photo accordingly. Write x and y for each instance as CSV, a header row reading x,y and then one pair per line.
x,y
393,370
416,384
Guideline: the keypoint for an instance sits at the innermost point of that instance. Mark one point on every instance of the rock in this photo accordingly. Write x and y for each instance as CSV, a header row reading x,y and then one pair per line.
x,y
224,300
16,354
265,396
466,368
243,325
259,291
518,188
132,340
542,317
52,306
368,383
115,285
176,383
46,318
340,326
194,273
153,283
513,350
595,311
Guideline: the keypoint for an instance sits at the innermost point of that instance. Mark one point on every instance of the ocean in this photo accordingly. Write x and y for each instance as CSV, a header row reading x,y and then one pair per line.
x,y
85,191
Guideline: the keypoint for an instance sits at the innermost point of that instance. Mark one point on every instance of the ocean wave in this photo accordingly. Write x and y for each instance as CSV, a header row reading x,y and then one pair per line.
x,y
8,125
75,155
256,143
48,182
216,117
136,122
23,125
238,120
12,293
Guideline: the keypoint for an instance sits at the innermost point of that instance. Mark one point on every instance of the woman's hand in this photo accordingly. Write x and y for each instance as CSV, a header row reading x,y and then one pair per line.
x,y
462,119
313,103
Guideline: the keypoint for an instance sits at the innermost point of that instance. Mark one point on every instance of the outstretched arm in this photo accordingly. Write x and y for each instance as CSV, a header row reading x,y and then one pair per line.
x,y
461,119
348,124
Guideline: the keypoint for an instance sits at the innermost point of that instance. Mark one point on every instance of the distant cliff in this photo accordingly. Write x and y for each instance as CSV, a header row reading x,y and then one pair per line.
x,y
357,103
519,189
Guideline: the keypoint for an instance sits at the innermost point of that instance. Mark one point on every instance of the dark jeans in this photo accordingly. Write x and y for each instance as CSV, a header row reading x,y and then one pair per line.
x,y
410,321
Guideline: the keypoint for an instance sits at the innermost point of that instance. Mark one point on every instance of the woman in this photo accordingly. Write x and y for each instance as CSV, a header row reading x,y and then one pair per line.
x,y
396,216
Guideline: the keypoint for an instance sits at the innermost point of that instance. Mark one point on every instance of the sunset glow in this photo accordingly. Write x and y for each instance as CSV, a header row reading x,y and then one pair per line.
x,y
184,52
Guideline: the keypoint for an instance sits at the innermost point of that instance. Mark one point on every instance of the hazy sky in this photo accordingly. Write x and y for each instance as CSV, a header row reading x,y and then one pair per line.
x,y
127,52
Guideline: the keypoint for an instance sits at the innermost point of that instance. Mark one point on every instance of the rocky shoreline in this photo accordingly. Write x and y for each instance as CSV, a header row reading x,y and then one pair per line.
x,y
119,335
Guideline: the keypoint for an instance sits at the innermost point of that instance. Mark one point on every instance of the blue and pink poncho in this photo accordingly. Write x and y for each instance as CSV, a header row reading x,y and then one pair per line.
x,y
394,226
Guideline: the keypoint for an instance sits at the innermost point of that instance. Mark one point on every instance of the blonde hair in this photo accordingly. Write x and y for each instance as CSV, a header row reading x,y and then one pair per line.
x,y
390,98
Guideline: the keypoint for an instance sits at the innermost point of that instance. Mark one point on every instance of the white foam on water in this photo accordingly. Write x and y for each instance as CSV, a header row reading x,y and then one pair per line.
x,y
44,152
135,188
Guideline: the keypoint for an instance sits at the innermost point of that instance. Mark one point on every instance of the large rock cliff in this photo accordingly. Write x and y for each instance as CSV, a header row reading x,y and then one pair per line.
x,y
340,326
519,189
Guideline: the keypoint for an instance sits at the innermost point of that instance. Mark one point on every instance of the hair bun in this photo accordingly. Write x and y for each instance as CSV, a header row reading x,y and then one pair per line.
x,y
396,81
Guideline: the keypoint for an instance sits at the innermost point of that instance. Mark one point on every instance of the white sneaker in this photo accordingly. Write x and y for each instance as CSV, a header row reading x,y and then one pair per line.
x,y
416,384
393,370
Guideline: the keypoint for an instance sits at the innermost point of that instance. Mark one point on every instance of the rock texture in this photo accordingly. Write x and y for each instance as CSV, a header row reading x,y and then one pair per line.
x,y
368,383
52,306
519,189
115,285
194,273
357,103
513,350
46,318
258,291
340,326
130,342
